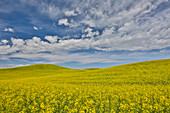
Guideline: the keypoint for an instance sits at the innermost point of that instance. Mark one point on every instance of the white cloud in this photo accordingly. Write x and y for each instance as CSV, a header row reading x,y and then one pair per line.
x,y
88,29
89,22
52,39
63,22
70,13
63,57
85,58
17,42
129,25
36,39
90,33
49,9
107,41
4,41
125,25
5,49
97,13
66,37
35,28
8,30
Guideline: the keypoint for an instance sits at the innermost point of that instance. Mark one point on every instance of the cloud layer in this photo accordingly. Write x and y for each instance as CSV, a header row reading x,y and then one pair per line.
x,y
89,26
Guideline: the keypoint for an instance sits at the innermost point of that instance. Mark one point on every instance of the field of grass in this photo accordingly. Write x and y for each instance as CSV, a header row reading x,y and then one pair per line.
x,y
137,87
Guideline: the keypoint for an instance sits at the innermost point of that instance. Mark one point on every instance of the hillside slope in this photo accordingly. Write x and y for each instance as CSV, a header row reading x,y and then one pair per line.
x,y
142,87
137,72
149,72
36,70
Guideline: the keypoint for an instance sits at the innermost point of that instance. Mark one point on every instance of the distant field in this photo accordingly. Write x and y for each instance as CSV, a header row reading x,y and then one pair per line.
x,y
137,87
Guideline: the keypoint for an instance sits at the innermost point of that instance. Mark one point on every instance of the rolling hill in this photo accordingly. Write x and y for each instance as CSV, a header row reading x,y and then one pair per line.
x,y
135,87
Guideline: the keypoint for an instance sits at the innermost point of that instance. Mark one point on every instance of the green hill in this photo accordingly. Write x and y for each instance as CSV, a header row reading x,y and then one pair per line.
x,y
135,87
36,70
151,72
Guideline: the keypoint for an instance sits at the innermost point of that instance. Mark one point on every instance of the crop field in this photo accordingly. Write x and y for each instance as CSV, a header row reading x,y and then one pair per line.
x,y
45,88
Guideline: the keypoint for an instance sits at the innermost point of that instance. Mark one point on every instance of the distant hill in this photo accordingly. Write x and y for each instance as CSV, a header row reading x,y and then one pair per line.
x,y
31,71
139,69
37,66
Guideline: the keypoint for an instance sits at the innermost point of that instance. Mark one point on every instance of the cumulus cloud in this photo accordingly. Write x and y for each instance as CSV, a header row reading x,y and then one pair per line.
x,y
52,39
8,30
104,42
4,41
63,22
5,49
90,33
17,42
66,37
70,13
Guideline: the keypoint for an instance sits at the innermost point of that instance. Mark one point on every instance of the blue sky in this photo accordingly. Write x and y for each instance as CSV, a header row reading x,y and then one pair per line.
x,y
83,33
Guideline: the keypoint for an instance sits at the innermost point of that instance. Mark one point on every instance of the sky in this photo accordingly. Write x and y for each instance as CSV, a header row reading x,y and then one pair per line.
x,y
83,33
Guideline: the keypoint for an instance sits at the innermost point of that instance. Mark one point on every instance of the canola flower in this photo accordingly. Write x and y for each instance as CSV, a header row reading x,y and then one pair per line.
x,y
129,88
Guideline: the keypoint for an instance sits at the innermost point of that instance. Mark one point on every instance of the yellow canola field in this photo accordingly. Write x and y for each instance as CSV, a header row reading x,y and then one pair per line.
x,y
139,87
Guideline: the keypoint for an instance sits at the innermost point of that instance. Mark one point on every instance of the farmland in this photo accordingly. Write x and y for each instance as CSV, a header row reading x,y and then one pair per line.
x,y
136,87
